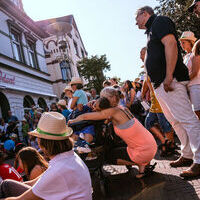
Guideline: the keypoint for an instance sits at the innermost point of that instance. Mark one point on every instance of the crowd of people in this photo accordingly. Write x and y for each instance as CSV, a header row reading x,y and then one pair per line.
x,y
145,114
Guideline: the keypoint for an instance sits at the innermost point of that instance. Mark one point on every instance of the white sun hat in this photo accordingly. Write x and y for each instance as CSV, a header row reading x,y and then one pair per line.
x,y
62,102
68,87
52,126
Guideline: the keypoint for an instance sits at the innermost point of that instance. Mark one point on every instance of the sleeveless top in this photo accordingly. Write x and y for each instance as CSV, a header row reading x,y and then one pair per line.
x,y
188,62
141,145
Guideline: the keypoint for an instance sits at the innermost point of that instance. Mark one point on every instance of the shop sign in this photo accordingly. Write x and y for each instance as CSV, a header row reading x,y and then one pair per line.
x,y
5,78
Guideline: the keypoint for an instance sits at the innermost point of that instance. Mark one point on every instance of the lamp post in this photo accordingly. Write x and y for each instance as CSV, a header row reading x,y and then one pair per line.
x,y
61,29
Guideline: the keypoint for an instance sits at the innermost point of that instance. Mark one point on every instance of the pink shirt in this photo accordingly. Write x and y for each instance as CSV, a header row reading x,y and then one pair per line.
x,y
141,145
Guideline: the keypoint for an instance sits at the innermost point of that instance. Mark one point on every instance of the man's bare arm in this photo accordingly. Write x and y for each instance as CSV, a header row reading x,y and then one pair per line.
x,y
171,55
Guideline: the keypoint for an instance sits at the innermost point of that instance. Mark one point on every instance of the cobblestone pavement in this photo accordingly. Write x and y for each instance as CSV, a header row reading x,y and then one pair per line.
x,y
164,184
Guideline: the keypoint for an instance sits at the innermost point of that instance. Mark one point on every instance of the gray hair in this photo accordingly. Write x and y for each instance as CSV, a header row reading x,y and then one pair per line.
x,y
109,92
148,9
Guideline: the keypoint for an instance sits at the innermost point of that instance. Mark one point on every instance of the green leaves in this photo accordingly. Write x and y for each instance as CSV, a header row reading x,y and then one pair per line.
x,y
92,69
177,11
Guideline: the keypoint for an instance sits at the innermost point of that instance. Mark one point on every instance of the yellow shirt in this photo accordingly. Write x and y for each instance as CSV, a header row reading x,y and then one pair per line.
x,y
155,106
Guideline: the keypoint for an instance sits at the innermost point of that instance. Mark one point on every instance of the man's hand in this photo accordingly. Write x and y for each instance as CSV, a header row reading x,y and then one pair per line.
x,y
167,84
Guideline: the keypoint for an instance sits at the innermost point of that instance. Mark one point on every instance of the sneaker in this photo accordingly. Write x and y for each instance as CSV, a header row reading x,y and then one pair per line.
x,y
83,147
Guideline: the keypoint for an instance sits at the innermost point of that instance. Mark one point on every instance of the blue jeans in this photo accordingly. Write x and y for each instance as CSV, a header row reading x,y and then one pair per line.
x,y
152,118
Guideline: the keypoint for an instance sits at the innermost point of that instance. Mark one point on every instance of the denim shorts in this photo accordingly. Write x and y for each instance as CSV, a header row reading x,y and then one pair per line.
x,y
195,96
152,118
87,130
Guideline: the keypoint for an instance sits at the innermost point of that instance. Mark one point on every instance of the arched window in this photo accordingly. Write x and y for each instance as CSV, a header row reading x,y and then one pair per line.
x,y
28,101
4,106
42,103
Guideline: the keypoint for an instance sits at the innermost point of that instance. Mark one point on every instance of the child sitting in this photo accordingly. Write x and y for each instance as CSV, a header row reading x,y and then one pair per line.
x,y
7,171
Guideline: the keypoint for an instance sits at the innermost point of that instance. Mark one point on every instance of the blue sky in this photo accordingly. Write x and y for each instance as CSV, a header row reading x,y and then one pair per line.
x,y
106,27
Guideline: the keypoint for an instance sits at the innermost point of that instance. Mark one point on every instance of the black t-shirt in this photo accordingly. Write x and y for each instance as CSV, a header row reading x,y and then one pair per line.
x,y
155,63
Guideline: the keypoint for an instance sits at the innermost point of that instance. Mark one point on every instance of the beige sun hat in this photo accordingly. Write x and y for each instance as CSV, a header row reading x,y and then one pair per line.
x,y
62,102
76,80
68,87
188,35
52,126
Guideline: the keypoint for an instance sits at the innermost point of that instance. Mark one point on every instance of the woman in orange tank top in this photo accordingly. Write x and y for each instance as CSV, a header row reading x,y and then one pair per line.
x,y
141,146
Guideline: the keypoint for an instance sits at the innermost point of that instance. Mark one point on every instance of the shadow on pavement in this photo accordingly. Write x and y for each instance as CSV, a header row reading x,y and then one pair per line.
x,y
157,186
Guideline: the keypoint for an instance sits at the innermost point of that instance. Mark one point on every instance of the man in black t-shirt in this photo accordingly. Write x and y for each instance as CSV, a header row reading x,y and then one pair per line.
x,y
169,77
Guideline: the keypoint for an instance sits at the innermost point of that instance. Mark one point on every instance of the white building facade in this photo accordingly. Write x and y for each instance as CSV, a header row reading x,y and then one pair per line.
x,y
24,77
62,71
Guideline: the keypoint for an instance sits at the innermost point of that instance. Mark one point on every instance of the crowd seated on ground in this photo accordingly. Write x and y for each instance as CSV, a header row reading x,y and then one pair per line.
x,y
131,107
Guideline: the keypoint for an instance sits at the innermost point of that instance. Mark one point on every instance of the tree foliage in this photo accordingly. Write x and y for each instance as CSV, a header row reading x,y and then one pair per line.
x,y
92,70
177,11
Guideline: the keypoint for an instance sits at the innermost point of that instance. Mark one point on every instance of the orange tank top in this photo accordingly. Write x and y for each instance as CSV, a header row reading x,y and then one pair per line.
x,y
141,145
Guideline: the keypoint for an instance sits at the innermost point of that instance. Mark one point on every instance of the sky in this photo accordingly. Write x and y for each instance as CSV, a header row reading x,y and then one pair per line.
x,y
106,27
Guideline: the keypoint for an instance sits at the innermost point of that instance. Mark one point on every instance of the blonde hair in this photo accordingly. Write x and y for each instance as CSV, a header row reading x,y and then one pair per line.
x,y
196,48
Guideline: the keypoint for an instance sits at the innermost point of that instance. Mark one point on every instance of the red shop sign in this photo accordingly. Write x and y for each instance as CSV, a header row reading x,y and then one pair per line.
x,y
5,78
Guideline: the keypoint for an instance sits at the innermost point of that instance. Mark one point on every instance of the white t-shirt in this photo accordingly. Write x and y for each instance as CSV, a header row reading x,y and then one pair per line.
x,y
67,178
69,105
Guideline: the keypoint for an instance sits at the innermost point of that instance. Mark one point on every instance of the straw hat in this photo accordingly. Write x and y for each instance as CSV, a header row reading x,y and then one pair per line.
x,y
68,87
76,80
188,35
62,102
52,126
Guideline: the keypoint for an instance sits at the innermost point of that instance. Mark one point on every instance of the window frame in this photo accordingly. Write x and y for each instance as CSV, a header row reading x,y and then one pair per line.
x,y
76,48
68,72
16,30
32,53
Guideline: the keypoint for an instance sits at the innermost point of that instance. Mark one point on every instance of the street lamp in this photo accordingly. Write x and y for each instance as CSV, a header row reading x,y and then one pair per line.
x,y
61,29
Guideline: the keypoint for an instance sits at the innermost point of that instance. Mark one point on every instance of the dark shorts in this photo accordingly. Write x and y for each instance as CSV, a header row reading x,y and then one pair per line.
x,y
152,118
118,153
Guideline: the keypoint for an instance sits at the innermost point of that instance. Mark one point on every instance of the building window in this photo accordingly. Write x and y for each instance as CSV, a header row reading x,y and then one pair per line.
x,y
76,48
32,54
66,71
82,53
16,44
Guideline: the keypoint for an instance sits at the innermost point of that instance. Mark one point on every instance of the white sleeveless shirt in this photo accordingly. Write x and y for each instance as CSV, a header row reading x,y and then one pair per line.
x,y
188,62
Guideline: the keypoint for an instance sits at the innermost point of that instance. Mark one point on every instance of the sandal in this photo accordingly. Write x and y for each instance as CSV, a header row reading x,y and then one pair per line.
x,y
140,175
148,170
